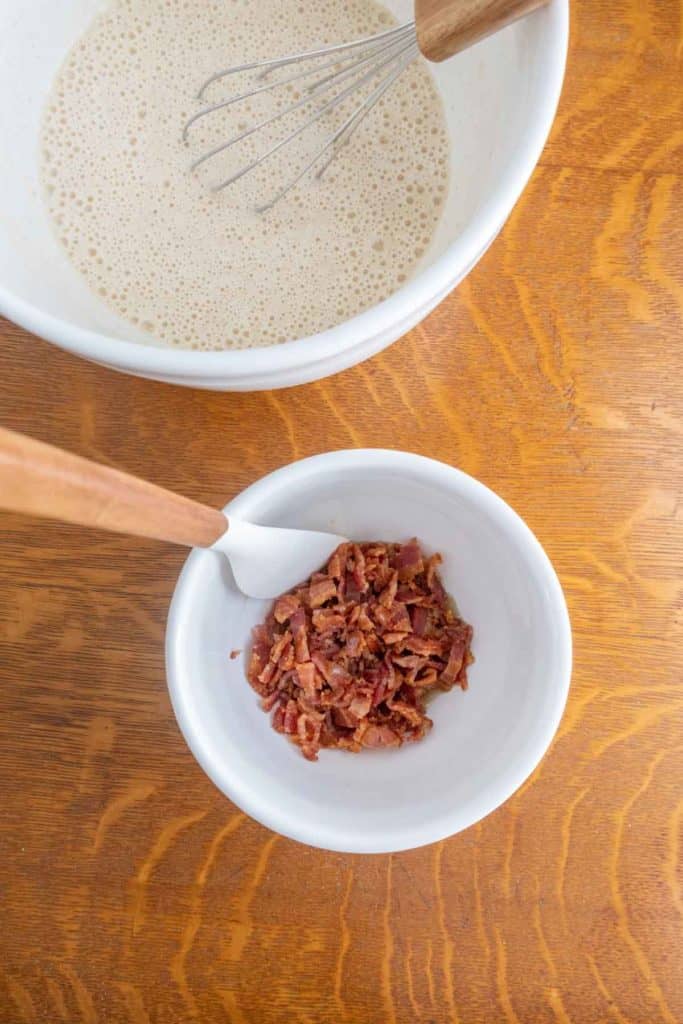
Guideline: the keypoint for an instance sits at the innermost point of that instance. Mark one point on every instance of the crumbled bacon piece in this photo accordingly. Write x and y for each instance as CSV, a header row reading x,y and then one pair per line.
x,y
419,616
388,595
280,646
349,658
408,560
390,639
424,645
291,717
299,630
285,607
456,657
306,675
429,677
334,566
355,645
321,591
327,620
380,736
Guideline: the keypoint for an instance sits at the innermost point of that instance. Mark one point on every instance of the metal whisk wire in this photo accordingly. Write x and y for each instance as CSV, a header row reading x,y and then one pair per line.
x,y
265,66
358,60
361,60
343,135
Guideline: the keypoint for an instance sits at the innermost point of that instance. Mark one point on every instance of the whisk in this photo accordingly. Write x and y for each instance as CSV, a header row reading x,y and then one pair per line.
x,y
440,29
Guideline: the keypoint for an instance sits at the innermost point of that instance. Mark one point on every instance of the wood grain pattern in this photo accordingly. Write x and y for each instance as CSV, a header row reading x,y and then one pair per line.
x,y
41,480
132,891
446,27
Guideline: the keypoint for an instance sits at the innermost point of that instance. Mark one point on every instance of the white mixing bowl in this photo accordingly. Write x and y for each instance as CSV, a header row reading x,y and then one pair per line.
x,y
499,98
485,742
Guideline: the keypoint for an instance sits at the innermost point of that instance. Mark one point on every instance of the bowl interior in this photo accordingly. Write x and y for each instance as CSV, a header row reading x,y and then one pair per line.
x,y
490,96
484,742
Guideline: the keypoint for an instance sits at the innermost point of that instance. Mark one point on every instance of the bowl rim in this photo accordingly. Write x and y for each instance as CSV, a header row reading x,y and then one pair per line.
x,y
304,354
399,837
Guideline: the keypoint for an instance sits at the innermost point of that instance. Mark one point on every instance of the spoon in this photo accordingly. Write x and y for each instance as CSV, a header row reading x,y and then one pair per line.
x,y
41,480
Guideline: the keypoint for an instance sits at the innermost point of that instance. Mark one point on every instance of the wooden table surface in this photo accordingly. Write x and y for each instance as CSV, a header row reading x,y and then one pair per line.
x,y
132,890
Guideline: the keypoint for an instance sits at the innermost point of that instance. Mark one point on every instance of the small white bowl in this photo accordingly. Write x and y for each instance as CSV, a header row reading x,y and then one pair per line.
x,y
485,742
499,101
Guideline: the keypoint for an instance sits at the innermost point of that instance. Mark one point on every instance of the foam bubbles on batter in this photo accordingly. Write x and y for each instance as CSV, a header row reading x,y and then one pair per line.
x,y
200,269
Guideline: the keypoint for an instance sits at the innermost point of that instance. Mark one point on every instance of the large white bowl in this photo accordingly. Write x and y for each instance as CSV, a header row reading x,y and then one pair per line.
x,y
499,98
484,743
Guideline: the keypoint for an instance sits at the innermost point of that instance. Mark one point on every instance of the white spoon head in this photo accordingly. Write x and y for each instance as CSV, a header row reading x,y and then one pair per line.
x,y
266,561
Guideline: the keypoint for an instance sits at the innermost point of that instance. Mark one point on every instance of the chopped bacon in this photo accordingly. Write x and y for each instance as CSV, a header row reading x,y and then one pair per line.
x,y
393,638
380,693
380,736
361,704
407,711
413,661
298,624
339,678
408,595
327,620
456,658
424,645
400,619
433,564
260,650
353,616
358,571
268,673
269,702
374,644
408,560
278,719
351,590
364,620
426,678
382,616
321,591
388,595
355,645
308,735
349,658
306,675
285,607
279,646
335,564
419,617
291,717
323,665
286,662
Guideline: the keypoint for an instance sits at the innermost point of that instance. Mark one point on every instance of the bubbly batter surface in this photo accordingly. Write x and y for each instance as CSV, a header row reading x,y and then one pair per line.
x,y
200,269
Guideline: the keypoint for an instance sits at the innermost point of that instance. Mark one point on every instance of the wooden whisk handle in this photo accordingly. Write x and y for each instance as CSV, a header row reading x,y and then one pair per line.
x,y
40,480
445,27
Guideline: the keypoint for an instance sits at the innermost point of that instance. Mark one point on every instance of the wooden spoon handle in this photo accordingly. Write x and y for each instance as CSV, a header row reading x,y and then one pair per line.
x,y
445,27
41,480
